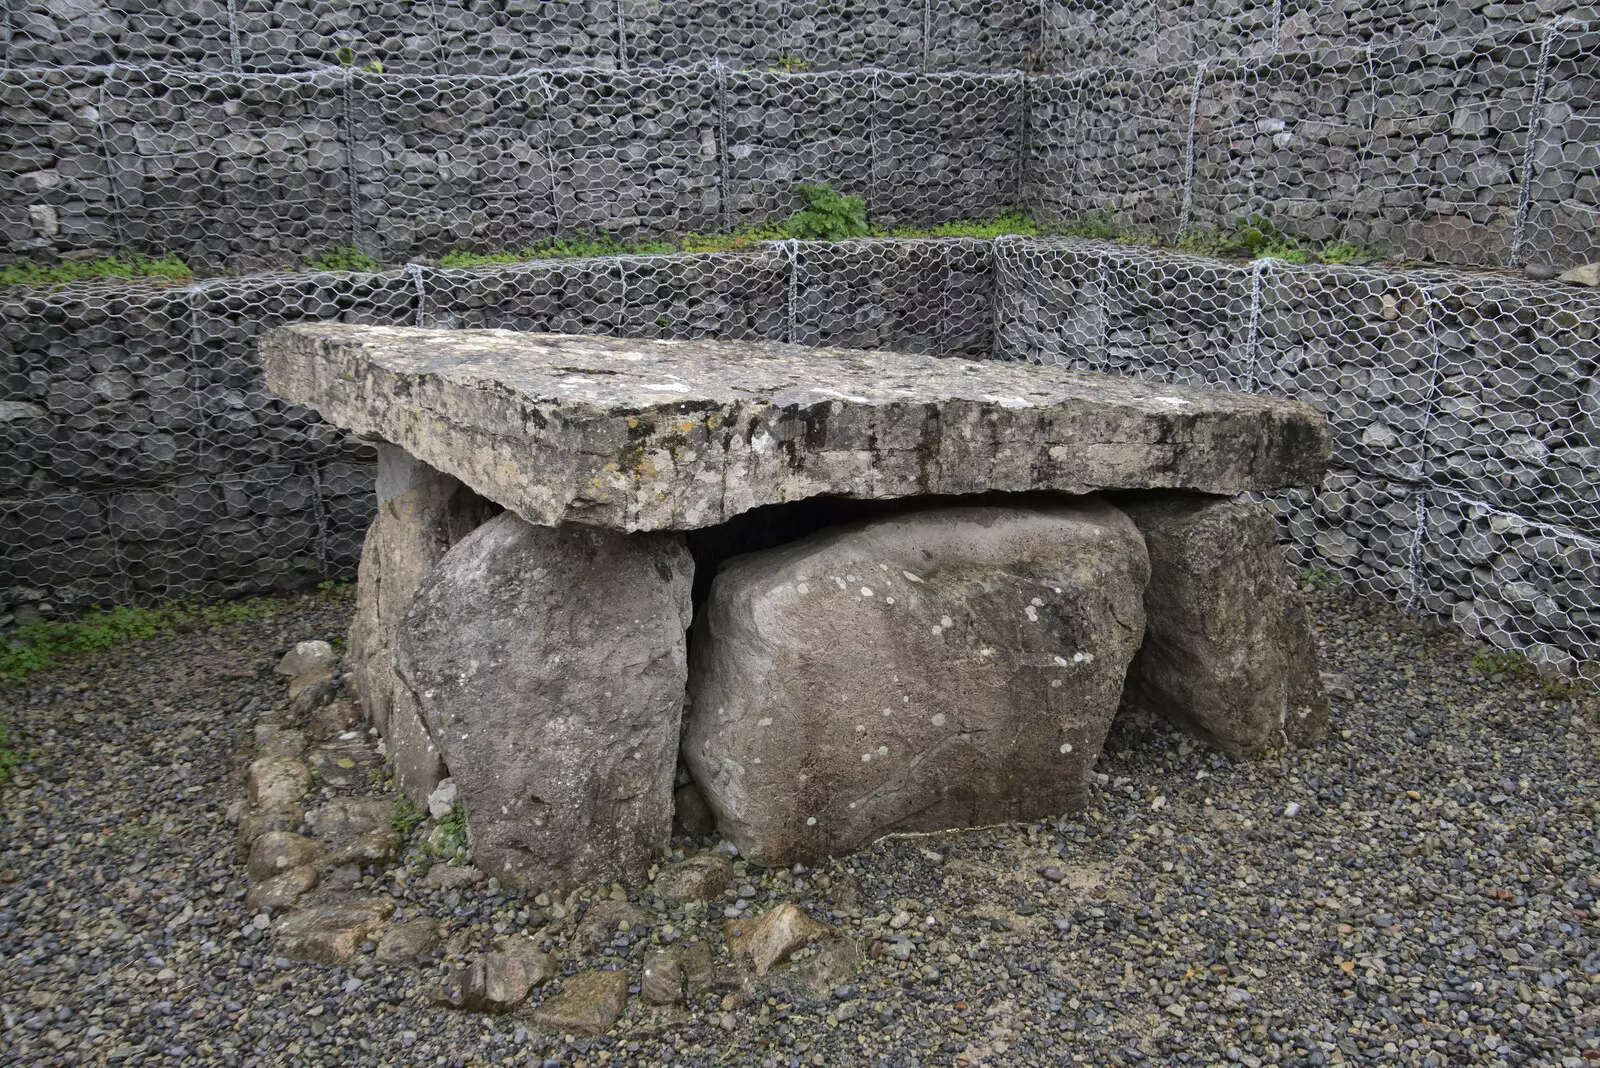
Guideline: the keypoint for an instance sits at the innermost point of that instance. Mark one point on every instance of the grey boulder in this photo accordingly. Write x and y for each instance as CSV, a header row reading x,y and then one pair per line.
x,y
549,664
939,669
421,513
1228,652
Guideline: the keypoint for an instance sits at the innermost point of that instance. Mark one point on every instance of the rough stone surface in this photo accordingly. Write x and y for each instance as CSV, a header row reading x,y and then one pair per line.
x,y
283,890
285,817
700,878
1228,652
661,979
277,851
343,819
983,664
421,513
498,981
658,435
408,941
772,937
278,781
331,934
588,1003
305,658
1586,275
550,665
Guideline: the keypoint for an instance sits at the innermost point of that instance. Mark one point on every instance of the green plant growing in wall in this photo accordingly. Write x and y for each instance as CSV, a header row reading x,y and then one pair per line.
x,y
791,64
168,267
407,817
348,58
828,215
342,258
448,841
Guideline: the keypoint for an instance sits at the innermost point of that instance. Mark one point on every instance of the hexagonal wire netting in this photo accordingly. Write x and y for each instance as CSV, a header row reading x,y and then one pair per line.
x,y
143,458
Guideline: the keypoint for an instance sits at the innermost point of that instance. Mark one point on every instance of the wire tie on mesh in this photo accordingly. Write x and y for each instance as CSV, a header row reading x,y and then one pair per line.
x,y
414,271
1530,150
791,252
235,56
1188,148
1414,557
1252,339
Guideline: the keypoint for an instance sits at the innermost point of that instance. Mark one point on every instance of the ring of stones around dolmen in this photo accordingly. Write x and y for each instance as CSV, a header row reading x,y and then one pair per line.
x,y
527,583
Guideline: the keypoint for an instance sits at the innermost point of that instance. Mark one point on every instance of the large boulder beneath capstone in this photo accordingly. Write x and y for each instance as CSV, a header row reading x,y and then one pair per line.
x,y
1228,652
550,664
421,513
679,435
938,669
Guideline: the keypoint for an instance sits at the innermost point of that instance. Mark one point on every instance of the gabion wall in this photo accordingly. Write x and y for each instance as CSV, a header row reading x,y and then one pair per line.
x,y
500,37
1466,414
1477,151
1093,33
1473,149
254,171
147,461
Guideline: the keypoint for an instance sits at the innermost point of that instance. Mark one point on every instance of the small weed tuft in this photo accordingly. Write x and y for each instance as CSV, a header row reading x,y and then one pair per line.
x,y
1512,666
828,215
1006,224
1319,577
168,267
407,817
342,258
791,64
448,842
1100,225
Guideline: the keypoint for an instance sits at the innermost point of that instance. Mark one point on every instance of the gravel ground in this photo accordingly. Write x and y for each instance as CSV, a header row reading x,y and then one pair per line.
x,y
1421,889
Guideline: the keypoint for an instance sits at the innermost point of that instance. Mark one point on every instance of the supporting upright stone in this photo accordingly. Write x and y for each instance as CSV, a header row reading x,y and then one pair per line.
x,y
550,664
1228,652
938,669
421,513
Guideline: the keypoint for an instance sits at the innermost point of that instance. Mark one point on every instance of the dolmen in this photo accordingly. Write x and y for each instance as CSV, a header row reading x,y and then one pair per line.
x,y
850,593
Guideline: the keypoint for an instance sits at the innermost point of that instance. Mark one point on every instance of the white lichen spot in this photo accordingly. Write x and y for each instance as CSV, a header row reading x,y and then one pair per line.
x,y
985,652
1061,661
839,582
866,591
852,804
1066,747
888,600
936,630
946,622
1032,613
938,719
811,821
757,760
883,750
1037,603
883,567
910,577
886,712
764,721
802,589
1077,658
866,758
1055,684
861,728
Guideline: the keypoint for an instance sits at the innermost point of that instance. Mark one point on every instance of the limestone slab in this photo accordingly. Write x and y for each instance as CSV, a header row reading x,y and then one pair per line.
x,y
676,435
